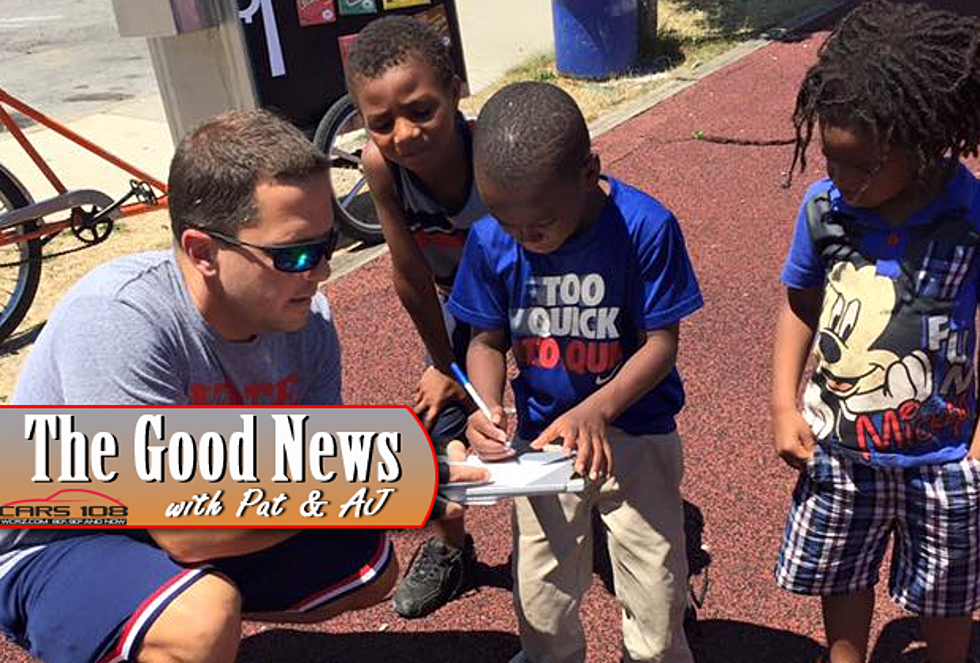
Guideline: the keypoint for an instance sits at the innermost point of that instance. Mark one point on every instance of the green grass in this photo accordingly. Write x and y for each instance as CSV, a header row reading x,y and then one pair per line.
x,y
690,33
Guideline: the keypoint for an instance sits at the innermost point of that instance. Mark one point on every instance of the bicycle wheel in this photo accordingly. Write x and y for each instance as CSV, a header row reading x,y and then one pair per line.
x,y
341,136
20,262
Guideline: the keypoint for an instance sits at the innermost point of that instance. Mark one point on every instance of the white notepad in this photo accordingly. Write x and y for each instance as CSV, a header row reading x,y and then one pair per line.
x,y
532,473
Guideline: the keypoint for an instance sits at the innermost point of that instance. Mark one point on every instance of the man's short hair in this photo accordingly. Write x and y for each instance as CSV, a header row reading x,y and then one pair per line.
x,y
530,134
217,166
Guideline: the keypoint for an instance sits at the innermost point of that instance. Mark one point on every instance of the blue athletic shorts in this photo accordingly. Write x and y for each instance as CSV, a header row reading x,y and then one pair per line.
x,y
92,599
844,513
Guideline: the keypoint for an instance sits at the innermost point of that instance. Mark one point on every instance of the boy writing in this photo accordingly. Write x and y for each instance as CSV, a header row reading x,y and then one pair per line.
x,y
585,280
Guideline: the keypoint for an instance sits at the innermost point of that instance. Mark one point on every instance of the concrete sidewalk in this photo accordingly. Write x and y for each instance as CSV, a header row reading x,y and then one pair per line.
x,y
137,131
496,36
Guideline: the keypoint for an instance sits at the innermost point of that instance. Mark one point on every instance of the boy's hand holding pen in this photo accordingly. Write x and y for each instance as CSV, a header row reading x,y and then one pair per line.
x,y
488,436
487,426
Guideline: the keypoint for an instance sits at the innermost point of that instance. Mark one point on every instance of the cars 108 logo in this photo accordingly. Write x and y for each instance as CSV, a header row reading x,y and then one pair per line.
x,y
71,506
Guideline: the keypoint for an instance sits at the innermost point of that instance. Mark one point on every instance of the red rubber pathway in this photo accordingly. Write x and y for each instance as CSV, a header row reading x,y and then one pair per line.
x,y
737,218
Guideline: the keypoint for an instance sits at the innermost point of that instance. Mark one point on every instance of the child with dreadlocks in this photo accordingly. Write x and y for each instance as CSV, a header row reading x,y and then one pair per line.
x,y
419,166
585,280
884,275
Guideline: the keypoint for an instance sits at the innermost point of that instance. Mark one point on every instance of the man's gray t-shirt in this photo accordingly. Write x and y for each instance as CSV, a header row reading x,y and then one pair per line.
x,y
128,333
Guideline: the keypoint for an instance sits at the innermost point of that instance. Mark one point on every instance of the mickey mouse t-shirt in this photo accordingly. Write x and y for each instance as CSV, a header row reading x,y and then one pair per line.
x,y
894,380
576,315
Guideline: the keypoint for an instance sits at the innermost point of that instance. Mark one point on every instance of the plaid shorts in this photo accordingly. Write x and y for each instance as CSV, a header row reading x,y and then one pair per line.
x,y
844,512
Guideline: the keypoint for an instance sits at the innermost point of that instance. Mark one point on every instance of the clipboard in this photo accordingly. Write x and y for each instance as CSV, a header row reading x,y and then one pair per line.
x,y
529,473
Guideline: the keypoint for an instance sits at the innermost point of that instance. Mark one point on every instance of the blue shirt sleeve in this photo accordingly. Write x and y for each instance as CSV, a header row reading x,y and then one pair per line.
x,y
479,296
804,267
668,287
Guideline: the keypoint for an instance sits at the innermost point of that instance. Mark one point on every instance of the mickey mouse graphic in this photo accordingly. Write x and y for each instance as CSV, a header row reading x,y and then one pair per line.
x,y
855,368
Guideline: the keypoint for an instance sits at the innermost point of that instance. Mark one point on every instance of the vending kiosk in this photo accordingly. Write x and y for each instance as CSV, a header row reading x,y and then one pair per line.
x,y
285,55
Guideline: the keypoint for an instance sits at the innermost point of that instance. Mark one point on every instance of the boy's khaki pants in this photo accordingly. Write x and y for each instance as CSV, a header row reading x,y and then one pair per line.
x,y
641,507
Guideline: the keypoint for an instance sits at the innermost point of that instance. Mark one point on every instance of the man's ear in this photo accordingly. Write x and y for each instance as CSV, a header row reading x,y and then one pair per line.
x,y
201,250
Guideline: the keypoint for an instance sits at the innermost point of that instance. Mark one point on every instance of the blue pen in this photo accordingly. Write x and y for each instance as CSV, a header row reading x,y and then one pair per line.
x,y
471,390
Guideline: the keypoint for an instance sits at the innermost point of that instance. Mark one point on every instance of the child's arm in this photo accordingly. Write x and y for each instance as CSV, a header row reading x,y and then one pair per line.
x,y
974,450
486,363
795,328
415,289
584,426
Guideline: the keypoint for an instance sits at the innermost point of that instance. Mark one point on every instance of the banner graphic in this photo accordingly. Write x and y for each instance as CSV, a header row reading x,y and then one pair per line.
x,y
246,467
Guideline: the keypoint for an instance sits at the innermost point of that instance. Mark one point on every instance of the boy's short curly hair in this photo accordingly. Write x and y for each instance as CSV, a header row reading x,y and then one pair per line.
x,y
392,41
530,134
906,73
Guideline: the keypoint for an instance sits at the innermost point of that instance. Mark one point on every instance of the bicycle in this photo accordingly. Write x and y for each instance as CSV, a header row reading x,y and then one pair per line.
x,y
342,137
26,227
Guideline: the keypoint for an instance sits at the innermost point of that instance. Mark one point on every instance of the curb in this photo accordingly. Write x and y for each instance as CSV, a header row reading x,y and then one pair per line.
x,y
631,109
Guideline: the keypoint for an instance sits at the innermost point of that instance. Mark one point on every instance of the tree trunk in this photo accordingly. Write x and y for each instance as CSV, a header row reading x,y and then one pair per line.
x,y
647,16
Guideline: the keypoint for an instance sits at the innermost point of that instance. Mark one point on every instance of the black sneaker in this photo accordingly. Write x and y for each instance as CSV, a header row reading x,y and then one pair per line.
x,y
437,574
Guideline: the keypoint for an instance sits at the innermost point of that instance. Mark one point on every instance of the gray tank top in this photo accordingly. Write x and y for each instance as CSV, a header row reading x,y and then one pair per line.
x,y
439,232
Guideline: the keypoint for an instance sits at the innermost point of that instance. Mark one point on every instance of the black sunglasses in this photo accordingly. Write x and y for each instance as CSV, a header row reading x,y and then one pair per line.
x,y
292,258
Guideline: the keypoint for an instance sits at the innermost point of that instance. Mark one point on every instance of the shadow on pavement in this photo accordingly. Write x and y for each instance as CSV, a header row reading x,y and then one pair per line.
x,y
726,641
965,7
20,340
901,642
278,645
498,576
725,18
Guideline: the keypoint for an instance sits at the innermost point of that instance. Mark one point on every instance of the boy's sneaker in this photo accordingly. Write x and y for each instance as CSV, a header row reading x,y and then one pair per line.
x,y
437,573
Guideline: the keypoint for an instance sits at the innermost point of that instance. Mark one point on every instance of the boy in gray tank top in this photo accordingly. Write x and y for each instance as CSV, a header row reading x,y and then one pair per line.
x,y
419,166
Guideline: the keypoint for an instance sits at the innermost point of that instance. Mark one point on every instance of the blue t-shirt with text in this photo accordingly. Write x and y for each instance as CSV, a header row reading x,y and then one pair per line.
x,y
577,314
